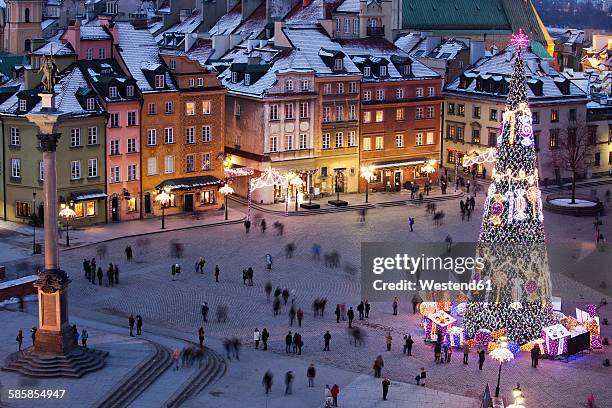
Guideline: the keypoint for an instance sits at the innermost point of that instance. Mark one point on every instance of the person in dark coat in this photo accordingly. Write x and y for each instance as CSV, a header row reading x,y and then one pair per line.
x,y
481,359
138,324
265,335
217,273
408,342
267,381
204,310
385,388
535,356
131,322
247,225
311,373
33,331
337,313
19,338
367,309
360,310
300,316
201,336
110,275
326,338
289,376
288,341
351,315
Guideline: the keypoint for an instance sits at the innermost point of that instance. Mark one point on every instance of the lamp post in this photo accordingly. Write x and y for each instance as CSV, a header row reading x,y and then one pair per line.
x,y
34,222
502,355
67,213
296,182
163,198
517,393
226,190
366,173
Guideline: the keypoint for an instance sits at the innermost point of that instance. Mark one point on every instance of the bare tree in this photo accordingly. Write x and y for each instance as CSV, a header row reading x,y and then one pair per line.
x,y
574,152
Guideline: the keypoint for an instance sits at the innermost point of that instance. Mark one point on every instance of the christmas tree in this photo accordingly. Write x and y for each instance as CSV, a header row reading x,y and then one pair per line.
x,y
511,241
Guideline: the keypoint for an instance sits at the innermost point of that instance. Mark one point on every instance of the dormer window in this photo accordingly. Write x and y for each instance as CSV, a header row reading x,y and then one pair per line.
x,y
200,82
407,69
191,82
234,76
172,64
91,104
367,71
129,90
338,64
289,85
247,79
159,81
23,105
383,70
112,92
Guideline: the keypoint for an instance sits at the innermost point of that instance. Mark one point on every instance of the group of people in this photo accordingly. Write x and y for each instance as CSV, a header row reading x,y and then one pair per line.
x,y
92,271
138,322
467,207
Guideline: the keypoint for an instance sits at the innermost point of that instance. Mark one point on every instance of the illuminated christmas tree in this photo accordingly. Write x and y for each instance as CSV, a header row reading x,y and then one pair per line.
x,y
512,237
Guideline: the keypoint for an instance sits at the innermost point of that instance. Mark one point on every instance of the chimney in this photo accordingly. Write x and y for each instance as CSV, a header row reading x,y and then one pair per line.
x,y
477,51
431,42
251,44
190,39
234,40
72,35
221,44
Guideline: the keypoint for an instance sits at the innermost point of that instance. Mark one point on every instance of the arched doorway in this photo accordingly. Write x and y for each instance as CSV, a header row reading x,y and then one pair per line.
x,y
115,208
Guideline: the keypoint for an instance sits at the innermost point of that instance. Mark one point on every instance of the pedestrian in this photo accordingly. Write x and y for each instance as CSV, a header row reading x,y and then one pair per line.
x,y
326,338
267,381
351,315
86,267
138,324
256,337
289,376
201,336
449,355
100,276
367,309
437,351
329,401
269,261
291,315
176,356
411,223
131,322
467,185
263,226
299,343
173,271
466,352
84,337
423,376
408,345
388,340
288,341
481,359
445,352
265,335
337,313
33,331
217,273
247,227
311,373
285,295
19,338
335,390
416,299
316,252
378,366
116,273
200,265
535,356
204,310
385,388
395,304
361,310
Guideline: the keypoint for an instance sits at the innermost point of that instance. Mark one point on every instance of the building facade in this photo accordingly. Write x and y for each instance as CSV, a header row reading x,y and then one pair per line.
x,y
22,25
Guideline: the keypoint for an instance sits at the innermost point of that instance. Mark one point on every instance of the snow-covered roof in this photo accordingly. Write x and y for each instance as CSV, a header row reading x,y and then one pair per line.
x,y
254,25
94,32
228,23
15,85
201,51
56,47
349,6
189,25
309,14
408,42
46,23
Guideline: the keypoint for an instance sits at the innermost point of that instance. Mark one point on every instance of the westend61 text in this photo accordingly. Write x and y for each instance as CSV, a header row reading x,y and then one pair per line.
x,y
430,284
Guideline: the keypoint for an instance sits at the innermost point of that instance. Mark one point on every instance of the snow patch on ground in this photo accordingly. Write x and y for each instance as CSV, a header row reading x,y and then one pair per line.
x,y
567,202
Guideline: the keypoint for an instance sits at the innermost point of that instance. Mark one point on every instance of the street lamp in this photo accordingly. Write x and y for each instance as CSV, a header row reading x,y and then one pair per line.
x,y
429,168
226,190
517,393
67,213
34,221
163,198
367,174
296,182
502,355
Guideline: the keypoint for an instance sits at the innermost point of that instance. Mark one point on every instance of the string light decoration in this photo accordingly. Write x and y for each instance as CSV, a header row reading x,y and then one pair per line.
x,y
269,178
512,236
486,156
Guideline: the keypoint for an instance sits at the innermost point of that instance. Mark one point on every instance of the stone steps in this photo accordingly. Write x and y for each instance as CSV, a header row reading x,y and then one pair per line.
x,y
138,380
76,364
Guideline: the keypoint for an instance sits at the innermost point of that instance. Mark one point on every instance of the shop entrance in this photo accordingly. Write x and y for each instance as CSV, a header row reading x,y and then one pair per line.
x,y
188,202
115,208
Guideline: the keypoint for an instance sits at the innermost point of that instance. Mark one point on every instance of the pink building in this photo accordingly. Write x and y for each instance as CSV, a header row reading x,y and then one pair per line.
x,y
91,41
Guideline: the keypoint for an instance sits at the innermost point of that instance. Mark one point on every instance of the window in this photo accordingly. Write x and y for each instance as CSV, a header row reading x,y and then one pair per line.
x,y
206,134
78,209
151,166
41,170
407,70
461,110
152,109
131,145
91,104
430,112
367,96
190,135
382,71
22,209
112,91
367,143
189,108
200,82
340,87
89,54
356,26
493,114
326,142
554,115
91,209
114,147
327,89
207,197
431,91
289,142
289,85
75,137
367,117
303,110
289,111
352,87
352,112
102,53
419,113
339,113
399,140
159,81
114,119
169,135
379,116
234,77
206,161
337,25
169,164
131,118
190,163
115,174
451,132
326,114
572,115
597,160
418,139
553,140
191,83
493,139
419,92
338,64
237,109
380,94
151,137
16,168
430,138
339,140
273,144
352,138
75,170
131,172
305,85
92,168
273,112
535,118
92,135
15,137
172,64
451,108
399,114
380,142
399,93
367,71
476,112
610,158
476,136
129,90
460,133
169,107
347,25
206,107
23,105
303,141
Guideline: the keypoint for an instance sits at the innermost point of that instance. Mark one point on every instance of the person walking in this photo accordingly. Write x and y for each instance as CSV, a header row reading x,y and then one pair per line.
x,y
467,185
173,271
289,376
291,315
423,377
408,345
326,338
535,356
109,275
100,276
217,273
204,310
311,373
337,313
288,341
19,338
367,309
256,337
265,335
351,315
411,223
267,381
449,354
33,331
335,390
131,322
395,304
176,356
388,340
378,366
138,325
466,352
116,273
84,337
263,226
128,253
300,316
385,388
437,351
247,227
416,299
444,352
361,310
201,336
481,359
